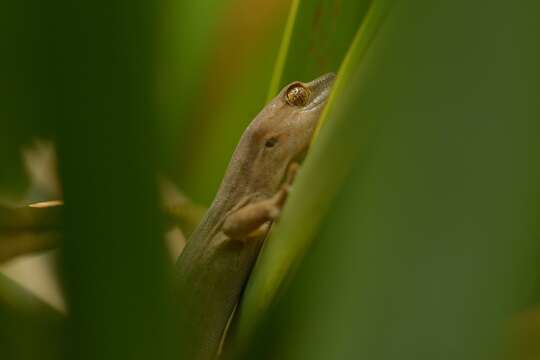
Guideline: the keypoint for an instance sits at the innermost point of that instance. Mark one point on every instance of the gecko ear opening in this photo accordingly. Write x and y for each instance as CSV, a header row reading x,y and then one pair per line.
x,y
271,142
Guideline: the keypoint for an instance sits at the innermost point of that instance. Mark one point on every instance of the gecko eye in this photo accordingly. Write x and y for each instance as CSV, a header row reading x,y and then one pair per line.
x,y
271,142
298,95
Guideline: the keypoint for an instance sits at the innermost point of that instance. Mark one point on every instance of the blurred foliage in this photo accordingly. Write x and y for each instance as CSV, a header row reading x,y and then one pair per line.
x,y
428,248
16,91
28,321
319,39
115,269
92,82
225,59
186,36
412,230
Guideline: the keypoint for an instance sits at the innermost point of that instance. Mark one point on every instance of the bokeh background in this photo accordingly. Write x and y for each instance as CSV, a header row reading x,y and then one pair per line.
x,y
411,232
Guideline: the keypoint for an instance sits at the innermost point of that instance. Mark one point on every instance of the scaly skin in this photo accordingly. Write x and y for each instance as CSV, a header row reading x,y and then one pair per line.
x,y
219,256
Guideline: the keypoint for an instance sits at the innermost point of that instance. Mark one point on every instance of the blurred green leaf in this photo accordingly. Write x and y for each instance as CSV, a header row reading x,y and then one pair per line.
x,y
288,240
186,40
214,139
429,245
17,111
98,77
222,57
283,49
317,43
13,182
30,328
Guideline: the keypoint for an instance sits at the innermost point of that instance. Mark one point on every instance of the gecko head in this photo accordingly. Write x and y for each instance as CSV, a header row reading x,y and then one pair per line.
x,y
282,131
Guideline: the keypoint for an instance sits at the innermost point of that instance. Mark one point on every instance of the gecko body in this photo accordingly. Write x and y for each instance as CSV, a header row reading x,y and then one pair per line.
x,y
218,258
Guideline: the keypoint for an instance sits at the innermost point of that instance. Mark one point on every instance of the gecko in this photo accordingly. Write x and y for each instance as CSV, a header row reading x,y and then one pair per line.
x,y
218,257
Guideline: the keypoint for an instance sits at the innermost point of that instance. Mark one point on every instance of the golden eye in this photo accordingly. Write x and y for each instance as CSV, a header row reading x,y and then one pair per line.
x,y
297,95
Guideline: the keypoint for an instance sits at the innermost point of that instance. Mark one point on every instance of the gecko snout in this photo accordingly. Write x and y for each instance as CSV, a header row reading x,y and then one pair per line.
x,y
320,89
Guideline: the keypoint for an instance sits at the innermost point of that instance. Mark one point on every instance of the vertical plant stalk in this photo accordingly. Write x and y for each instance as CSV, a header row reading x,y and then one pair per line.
x,y
283,50
359,47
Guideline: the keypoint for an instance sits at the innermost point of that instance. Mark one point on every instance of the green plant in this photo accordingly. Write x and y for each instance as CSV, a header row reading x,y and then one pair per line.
x,y
412,228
